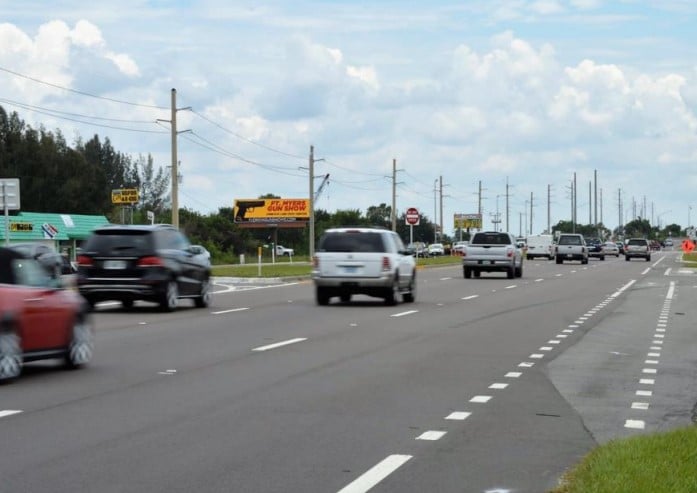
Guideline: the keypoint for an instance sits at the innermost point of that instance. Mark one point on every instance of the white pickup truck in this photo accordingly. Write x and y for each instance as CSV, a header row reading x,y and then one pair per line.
x,y
492,251
283,251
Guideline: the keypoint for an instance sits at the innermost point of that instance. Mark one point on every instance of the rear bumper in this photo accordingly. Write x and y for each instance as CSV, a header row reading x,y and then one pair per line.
x,y
488,265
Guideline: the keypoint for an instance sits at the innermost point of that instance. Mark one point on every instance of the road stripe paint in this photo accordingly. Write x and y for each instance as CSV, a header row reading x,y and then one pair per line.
x,y
569,331
647,381
513,374
650,371
622,289
660,329
539,280
558,275
656,342
667,272
646,271
526,364
651,362
471,297
9,412
230,311
445,278
659,336
671,291
498,386
279,344
645,393
482,399
636,424
376,474
537,356
431,435
553,341
562,336
546,348
583,318
404,313
578,322
511,286
654,355
640,405
573,272
655,348
458,415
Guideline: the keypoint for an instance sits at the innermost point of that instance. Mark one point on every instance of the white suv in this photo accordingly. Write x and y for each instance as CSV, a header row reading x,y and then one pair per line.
x,y
366,261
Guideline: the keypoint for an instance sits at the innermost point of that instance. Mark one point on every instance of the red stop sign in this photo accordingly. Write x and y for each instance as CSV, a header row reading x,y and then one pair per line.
x,y
412,216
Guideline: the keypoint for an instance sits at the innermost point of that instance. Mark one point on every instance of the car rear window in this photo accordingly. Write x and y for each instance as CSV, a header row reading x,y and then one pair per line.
x,y
637,242
352,242
569,240
120,242
491,239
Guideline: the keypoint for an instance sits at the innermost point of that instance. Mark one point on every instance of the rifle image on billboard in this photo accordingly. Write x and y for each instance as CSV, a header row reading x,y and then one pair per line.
x,y
243,206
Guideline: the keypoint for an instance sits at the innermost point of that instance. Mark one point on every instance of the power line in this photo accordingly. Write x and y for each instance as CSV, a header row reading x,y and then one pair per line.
x,y
82,93
58,112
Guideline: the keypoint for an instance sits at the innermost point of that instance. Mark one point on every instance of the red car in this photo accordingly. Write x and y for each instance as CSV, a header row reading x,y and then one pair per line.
x,y
38,320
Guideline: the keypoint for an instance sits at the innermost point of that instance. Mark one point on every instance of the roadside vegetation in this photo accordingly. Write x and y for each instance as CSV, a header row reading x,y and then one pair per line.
x,y
657,463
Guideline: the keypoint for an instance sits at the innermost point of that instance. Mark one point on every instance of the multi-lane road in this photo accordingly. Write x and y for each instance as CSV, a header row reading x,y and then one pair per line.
x,y
481,385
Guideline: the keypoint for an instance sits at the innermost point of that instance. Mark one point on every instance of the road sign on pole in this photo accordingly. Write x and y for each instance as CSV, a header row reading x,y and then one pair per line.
x,y
412,216
9,201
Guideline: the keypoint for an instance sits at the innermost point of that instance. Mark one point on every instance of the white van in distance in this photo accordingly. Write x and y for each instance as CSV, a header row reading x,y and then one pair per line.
x,y
541,246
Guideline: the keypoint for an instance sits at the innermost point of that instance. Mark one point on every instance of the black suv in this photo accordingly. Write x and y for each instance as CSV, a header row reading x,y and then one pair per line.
x,y
152,263
595,248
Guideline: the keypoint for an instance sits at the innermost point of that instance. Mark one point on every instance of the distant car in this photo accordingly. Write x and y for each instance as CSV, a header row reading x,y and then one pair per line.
x,y
201,250
142,262
595,248
39,320
669,242
655,245
282,251
459,247
417,249
436,249
48,258
637,247
620,247
610,248
366,261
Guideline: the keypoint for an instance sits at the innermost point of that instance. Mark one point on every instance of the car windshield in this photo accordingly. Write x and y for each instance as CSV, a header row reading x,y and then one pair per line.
x,y
352,242
637,242
119,242
570,240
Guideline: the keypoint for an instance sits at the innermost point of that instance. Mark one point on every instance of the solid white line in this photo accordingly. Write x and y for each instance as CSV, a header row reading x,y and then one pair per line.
x,y
404,313
619,291
376,474
471,297
279,344
458,415
431,435
646,271
636,424
230,311
9,412
671,290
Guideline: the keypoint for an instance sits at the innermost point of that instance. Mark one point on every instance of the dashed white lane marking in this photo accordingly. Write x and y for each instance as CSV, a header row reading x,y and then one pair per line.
x,y
636,424
376,474
458,415
471,297
562,336
644,393
539,280
654,355
481,399
445,278
573,326
553,341
431,435
671,291
646,271
649,370
558,275
167,372
667,272
640,405
230,311
511,287
279,344
647,381
513,374
546,348
526,364
536,356
498,386
9,412
651,362
409,312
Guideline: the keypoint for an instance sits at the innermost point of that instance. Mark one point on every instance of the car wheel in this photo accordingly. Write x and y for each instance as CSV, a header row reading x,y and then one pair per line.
x,y
168,303
559,261
204,297
81,347
321,296
127,303
467,272
410,295
626,258
10,355
510,273
477,274
648,258
602,258
519,270
392,292
345,297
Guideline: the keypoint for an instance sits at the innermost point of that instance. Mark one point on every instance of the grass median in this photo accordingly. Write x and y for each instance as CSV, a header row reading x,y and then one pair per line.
x,y
301,267
656,463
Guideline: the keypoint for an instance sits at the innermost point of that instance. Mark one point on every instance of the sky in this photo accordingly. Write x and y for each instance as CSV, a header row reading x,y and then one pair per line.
x,y
480,93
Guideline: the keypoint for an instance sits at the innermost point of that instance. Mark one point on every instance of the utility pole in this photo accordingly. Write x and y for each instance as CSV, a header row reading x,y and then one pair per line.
x,y
394,194
590,204
479,207
435,213
507,226
441,208
549,209
574,205
619,210
595,184
311,242
530,212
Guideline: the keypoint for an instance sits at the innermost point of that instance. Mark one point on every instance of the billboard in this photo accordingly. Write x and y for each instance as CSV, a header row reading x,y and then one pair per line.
x,y
271,211
124,196
466,221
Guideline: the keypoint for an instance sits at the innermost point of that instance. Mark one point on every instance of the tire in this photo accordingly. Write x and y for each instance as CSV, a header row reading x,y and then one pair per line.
x,y
648,259
127,304
584,261
467,272
510,273
168,301
410,295
345,297
204,297
321,296
392,292
626,257
559,261
81,347
477,274
10,355
519,270
90,302
602,258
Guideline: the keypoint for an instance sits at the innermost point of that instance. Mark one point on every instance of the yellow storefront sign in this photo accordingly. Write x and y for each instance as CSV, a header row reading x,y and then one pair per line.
x,y
271,210
124,196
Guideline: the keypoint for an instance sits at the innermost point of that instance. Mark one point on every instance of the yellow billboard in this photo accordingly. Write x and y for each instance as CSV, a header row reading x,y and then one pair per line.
x,y
466,221
271,210
124,196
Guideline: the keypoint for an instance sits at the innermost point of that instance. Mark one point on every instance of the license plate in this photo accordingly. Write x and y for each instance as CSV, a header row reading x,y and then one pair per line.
x,y
568,255
114,264
350,270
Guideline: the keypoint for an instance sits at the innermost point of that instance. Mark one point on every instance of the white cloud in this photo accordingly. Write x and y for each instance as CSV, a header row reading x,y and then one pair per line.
x,y
366,75
86,34
546,7
125,63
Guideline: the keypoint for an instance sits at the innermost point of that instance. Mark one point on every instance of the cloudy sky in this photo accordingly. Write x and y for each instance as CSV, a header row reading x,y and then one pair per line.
x,y
524,92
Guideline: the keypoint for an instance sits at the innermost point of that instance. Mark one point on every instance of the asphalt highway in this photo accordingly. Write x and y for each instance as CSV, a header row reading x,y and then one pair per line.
x,y
482,385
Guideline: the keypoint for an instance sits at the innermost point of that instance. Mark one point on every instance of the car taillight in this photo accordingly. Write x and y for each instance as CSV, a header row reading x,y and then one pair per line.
x,y
150,262
509,253
84,261
315,262
386,264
